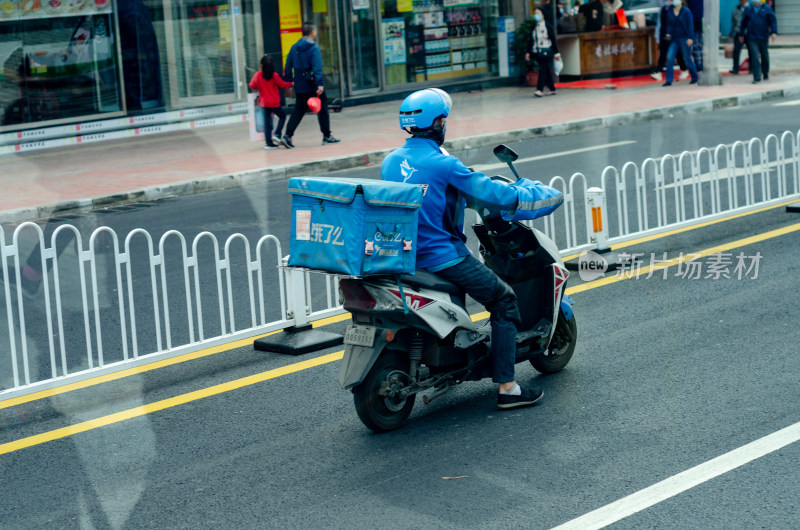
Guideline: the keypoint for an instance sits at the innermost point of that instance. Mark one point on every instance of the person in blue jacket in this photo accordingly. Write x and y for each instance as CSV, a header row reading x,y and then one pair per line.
x,y
305,56
680,29
441,242
759,24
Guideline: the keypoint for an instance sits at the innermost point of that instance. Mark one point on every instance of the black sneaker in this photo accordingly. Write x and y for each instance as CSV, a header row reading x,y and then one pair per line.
x,y
287,142
528,397
329,140
766,77
667,84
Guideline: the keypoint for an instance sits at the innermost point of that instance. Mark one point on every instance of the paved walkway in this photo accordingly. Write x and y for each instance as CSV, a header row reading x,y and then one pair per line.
x,y
82,176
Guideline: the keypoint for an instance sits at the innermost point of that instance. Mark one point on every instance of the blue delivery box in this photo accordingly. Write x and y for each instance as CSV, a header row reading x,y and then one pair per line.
x,y
354,226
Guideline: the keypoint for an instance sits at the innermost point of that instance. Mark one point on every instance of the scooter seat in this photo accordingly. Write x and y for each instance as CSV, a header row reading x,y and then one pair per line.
x,y
423,279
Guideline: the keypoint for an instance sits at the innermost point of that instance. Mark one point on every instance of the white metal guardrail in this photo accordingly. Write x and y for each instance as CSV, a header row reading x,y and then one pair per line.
x,y
130,302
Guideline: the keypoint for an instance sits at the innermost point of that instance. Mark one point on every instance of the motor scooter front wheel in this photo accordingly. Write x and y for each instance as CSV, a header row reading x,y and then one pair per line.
x,y
378,401
561,347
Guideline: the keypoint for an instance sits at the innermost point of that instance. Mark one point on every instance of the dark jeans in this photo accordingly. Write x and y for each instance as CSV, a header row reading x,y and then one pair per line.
x,y
759,57
737,53
546,75
499,299
268,112
300,109
674,46
663,48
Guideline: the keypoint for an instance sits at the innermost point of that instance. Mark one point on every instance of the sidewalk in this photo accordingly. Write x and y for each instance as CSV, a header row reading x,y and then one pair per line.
x,y
37,183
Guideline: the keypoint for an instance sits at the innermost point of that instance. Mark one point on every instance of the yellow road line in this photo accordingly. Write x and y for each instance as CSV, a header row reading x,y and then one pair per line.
x,y
329,358
318,361
242,343
688,257
166,403
676,231
323,322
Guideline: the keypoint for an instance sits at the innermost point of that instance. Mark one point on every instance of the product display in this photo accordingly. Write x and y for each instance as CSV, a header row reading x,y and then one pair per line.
x,y
455,38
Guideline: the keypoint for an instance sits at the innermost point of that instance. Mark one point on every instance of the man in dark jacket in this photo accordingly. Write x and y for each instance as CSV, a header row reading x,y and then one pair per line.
x,y
759,24
304,57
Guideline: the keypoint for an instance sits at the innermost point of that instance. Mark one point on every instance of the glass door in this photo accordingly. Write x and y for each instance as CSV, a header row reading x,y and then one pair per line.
x,y
359,25
205,51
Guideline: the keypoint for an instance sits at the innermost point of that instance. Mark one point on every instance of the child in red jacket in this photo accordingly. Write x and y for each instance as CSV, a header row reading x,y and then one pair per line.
x,y
267,82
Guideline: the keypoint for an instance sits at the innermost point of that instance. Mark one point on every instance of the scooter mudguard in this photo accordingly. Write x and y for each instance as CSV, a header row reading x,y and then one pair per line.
x,y
358,361
566,306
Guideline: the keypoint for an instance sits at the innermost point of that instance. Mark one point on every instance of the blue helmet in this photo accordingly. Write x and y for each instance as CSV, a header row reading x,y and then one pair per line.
x,y
421,108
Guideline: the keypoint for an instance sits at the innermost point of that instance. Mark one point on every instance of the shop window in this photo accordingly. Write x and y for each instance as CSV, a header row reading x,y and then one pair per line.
x,y
428,40
58,60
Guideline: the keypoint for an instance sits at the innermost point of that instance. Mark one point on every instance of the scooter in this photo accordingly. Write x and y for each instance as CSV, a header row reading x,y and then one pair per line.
x,y
412,333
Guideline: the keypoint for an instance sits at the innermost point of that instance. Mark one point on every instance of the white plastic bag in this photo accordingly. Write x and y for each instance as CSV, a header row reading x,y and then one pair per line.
x,y
558,64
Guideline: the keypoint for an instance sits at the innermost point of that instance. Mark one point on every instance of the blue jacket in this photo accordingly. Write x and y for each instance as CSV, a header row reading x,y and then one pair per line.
x,y
681,26
759,24
304,55
448,185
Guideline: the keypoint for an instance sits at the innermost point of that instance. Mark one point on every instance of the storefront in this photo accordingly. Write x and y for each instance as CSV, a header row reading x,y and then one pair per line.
x,y
71,61
373,46
67,60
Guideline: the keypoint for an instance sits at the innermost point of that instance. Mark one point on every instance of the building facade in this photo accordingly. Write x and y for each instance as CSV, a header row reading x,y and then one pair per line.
x,y
67,61
72,61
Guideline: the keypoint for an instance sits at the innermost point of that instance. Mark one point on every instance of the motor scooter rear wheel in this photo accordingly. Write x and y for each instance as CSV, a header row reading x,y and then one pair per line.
x,y
379,412
561,347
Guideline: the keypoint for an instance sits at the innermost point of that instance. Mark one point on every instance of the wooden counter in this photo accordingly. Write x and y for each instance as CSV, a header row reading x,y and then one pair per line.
x,y
605,52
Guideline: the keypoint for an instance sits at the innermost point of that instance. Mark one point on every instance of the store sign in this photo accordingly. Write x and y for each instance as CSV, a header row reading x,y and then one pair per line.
x,y
394,40
607,50
404,6
360,4
319,6
616,51
27,9
291,25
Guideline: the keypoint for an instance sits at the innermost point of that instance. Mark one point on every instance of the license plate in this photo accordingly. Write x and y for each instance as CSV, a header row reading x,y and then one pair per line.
x,y
360,335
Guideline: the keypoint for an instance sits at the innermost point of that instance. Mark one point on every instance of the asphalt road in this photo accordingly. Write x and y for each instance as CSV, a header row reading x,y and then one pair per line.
x,y
669,374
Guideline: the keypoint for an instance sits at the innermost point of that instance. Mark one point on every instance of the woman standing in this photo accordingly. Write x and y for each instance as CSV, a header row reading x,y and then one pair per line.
x,y
266,82
544,47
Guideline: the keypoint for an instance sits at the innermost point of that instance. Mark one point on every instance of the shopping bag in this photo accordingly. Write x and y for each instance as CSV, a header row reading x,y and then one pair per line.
x,y
558,64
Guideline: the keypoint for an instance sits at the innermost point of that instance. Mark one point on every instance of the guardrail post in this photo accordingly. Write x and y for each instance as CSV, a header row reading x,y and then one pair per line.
x,y
593,264
300,337
596,203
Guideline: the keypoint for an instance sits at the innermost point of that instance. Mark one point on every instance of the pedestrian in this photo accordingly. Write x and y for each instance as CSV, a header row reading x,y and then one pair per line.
x,y
544,47
266,82
696,8
610,8
736,30
304,66
441,243
680,31
663,45
759,25
592,10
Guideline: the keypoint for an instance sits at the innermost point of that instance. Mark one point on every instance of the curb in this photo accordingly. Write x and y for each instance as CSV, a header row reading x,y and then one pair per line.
x,y
277,173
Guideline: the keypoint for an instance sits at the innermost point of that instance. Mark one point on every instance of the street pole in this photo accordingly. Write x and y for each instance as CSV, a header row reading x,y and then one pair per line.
x,y
711,75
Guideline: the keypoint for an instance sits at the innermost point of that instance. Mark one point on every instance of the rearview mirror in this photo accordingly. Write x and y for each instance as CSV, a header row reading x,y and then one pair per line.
x,y
505,154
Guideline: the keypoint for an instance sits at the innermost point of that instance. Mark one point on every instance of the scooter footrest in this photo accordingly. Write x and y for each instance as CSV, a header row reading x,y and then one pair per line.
x,y
542,329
